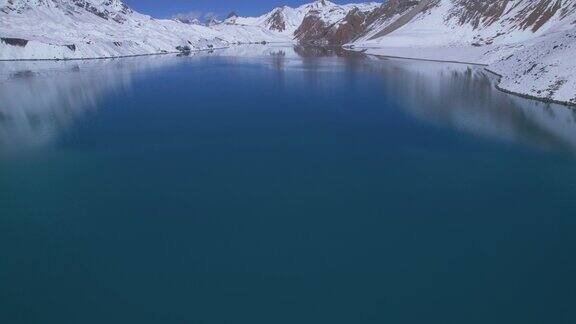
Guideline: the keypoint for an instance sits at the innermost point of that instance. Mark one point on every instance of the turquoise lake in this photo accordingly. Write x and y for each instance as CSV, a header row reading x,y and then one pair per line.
x,y
266,184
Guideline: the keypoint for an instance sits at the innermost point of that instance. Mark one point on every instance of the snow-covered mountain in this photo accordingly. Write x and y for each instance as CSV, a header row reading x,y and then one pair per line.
x,y
466,22
189,21
69,29
300,23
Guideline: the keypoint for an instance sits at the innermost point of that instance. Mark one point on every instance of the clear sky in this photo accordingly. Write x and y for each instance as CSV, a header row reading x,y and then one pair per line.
x,y
201,8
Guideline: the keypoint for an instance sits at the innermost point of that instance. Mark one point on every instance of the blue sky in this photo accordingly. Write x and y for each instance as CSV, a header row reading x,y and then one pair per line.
x,y
166,8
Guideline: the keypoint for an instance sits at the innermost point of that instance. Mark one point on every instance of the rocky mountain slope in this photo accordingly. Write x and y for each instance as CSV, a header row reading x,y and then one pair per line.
x,y
467,22
303,23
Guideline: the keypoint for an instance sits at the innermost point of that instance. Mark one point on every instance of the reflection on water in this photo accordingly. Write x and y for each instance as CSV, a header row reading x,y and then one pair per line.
x,y
320,51
40,100
464,97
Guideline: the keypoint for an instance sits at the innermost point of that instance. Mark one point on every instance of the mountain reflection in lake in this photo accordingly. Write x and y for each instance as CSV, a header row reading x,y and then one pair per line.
x,y
40,100
464,97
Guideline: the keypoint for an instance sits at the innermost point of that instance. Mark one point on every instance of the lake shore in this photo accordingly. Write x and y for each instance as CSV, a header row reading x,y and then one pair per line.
x,y
461,55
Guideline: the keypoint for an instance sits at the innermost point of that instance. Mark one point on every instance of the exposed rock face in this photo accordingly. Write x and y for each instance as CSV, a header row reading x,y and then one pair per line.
x,y
530,14
15,41
533,14
356,23
396,13
276,21
315,31
478,13
353,25
312,30
536,15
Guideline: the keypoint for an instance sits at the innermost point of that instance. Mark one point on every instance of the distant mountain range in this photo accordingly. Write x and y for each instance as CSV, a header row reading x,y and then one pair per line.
x,y
530,43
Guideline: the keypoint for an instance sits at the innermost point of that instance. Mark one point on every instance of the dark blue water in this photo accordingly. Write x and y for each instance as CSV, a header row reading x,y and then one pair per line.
x,y
280,186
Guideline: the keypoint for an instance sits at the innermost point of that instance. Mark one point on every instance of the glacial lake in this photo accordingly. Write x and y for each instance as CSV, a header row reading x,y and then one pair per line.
x,y
272,184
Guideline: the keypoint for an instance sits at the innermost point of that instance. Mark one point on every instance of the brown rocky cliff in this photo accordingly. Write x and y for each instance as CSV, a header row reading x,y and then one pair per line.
x,y
312,29
276,21
356,23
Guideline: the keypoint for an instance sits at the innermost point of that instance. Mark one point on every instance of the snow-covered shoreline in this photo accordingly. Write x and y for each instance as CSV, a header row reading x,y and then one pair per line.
x,y
373,51
492,63
499,87
454,55
113,57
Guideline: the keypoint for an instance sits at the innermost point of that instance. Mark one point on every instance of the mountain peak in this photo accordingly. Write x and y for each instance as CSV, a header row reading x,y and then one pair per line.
x,y
318,5
324,3
212,22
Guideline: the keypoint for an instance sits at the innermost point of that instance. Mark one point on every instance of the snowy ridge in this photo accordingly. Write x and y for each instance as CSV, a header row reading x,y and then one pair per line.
x,y
286,20
74,29
457,22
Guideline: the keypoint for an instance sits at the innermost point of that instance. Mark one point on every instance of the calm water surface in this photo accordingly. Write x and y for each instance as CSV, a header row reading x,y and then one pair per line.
x,y
281,185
